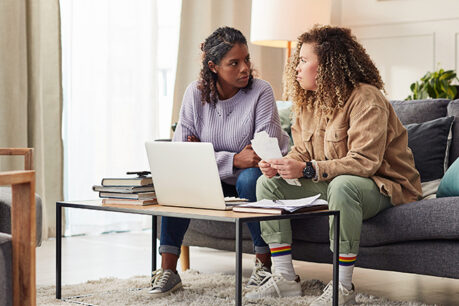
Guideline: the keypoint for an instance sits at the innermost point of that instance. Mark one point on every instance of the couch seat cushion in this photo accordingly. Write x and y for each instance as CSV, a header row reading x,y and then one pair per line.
x,y
215,229
422,220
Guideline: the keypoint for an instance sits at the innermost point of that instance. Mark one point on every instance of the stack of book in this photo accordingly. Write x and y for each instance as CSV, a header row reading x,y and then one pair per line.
x,y
127,191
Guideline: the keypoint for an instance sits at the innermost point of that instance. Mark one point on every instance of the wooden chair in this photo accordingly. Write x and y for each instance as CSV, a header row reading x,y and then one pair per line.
x,y
23,226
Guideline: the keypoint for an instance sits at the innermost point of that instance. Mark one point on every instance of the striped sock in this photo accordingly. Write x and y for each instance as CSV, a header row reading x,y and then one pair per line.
x,y
346,268
281,256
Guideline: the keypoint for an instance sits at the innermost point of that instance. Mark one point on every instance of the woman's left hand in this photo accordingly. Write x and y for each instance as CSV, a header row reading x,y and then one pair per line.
x,y
288,168
193,138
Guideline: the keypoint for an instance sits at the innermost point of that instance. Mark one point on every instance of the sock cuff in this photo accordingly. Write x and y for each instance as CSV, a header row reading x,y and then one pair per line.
x,y
281,251
347,260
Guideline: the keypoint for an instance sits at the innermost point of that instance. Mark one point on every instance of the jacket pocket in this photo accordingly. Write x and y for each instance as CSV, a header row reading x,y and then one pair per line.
x,y
307,140
336,143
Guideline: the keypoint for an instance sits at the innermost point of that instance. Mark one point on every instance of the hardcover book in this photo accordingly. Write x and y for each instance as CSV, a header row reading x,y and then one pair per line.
x,y
129,202
125,189
128,181
134,196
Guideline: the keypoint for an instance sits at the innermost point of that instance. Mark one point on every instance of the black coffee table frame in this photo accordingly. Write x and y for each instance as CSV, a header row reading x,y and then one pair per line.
x,y
237,219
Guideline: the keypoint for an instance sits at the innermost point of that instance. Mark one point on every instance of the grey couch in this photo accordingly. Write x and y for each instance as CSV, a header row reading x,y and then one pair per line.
x,y
6,285
420,237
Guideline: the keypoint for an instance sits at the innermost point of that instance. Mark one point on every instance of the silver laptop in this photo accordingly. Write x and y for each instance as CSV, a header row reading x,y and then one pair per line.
x,y
186,174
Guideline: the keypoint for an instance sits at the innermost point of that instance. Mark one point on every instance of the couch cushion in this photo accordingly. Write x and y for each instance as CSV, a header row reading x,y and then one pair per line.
x,y
428,141
449,186
222,230
5,212
453,110
417,111
6,283
423,220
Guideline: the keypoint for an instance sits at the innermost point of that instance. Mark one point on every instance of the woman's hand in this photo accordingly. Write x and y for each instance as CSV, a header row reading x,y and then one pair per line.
x,y
266,169
247,158
288,168
193,138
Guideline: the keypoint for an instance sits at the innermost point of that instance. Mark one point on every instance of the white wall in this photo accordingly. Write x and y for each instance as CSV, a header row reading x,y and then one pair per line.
x,y
405,38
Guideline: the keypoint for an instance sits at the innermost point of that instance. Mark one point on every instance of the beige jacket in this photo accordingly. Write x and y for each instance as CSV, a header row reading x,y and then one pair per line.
x,y
364,138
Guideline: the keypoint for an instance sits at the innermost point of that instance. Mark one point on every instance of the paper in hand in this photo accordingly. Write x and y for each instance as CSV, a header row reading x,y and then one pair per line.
x,y
268,148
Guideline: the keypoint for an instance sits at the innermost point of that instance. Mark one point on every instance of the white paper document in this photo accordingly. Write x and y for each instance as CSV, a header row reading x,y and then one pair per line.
x,y
268,148
288,205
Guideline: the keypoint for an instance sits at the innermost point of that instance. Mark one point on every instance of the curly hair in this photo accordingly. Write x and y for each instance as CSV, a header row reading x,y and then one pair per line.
x,y
214,48
343,64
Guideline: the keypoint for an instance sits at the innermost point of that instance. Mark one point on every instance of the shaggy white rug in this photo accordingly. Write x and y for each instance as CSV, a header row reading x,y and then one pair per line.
x,y
199,289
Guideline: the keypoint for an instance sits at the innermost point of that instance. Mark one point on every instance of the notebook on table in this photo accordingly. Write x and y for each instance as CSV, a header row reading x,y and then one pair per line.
x,y
185,174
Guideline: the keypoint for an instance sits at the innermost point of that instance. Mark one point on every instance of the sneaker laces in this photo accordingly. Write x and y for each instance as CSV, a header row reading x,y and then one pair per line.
x,y
328,292
259,273
159,278
270,282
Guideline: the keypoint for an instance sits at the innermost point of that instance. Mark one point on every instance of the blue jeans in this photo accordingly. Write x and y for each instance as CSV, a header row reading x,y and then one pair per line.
x,y
173,229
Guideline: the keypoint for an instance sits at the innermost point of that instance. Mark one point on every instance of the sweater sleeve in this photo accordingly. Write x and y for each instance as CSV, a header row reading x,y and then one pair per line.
x,y
225,164
267,118
186,124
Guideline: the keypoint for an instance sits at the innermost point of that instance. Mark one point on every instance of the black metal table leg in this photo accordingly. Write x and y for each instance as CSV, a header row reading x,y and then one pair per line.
x,y
238,299
336,258
58,250
154,233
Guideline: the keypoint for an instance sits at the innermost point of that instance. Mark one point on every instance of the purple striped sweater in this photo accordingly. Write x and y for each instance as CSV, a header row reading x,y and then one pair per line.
x,y
231,124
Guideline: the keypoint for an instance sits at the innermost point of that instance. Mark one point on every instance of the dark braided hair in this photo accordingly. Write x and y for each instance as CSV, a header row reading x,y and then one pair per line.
x,y
214,48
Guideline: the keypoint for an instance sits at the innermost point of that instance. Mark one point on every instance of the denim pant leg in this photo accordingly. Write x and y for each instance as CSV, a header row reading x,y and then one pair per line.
x,y
173,229
172,232
246,188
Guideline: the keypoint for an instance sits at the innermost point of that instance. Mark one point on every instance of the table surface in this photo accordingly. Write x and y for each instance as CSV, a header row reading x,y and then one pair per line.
x,y
195,213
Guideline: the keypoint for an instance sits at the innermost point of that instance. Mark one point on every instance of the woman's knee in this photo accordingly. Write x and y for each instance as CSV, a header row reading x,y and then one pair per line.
x,y
248,177
342,188
265,188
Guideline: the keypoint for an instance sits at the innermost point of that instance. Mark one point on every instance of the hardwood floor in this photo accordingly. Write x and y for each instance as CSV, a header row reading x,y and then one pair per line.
x,y
124,255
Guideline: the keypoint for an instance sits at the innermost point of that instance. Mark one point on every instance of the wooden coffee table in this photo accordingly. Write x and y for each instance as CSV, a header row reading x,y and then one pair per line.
x,y
193,213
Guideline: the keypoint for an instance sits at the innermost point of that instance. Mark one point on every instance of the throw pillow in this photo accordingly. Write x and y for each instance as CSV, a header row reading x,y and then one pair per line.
x,y
449,185
429,143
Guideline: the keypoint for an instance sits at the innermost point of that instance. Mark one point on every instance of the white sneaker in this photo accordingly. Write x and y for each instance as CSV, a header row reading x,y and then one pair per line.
x,y
276,286
345,297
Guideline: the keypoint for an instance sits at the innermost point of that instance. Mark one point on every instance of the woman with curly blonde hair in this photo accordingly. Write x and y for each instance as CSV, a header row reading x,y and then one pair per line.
x,y
349,147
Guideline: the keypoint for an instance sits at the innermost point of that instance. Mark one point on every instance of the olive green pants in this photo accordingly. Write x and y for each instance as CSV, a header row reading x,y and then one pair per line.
x,y
357,199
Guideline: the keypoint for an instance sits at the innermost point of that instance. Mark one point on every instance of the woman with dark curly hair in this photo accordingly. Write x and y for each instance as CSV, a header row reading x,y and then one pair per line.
x,y
225,107
349,147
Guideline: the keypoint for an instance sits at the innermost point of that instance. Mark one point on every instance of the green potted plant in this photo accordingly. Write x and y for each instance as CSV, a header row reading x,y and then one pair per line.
x,y
435,84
